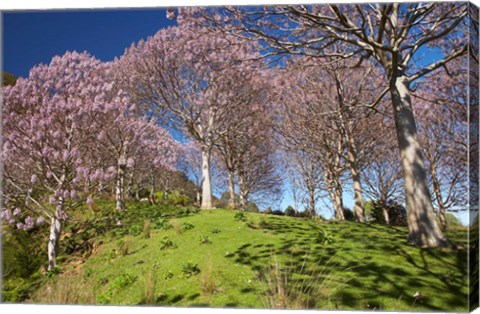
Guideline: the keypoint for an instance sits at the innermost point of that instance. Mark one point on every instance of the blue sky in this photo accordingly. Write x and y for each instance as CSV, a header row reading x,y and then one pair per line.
x,y
34,37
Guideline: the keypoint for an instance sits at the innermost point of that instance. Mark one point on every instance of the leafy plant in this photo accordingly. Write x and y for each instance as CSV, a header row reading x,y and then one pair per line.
x,y
205,239
240,216
135,230
166,243
189,269
323,237
215,230
161,223
123,281
187,226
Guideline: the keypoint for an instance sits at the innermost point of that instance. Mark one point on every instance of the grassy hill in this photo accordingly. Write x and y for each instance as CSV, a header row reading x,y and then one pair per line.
x,y
220,258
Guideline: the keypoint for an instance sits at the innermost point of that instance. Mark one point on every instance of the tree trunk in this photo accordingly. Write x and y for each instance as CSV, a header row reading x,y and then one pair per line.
x,y
335,196
119,189
438,196
206,180
386,216
338,201
152,192
357,184
311,194
231,189
54,238
243,193
423,229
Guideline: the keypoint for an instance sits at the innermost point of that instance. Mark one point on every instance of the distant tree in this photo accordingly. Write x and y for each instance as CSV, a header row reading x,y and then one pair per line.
x,y
290,211
8,79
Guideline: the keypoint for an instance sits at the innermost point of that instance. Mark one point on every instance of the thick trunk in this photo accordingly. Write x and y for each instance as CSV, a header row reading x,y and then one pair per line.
x,y
231,189
423,229
357,184
438,196
206,180
54,238
119,189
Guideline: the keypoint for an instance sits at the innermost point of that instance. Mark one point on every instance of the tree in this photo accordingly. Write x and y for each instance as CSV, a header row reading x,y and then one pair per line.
x,y
442,111
8,79
392,35
186,77
45,120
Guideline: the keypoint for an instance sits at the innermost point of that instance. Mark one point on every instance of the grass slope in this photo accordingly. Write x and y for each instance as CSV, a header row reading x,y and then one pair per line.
x,y
266,261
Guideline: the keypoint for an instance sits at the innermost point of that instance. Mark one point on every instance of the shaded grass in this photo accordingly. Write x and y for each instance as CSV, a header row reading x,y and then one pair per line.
x,y
369,266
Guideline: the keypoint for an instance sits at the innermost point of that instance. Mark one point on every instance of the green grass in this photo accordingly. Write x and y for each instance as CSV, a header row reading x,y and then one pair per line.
x,y
266,261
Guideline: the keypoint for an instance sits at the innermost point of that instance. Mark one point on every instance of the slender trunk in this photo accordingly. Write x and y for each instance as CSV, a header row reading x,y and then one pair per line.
x,y
152,191
423,229
206,179
357,184
55,231
231,189
311,194
338,201
438,196
335,196
119,189
137,194
351,155
386,216
243,193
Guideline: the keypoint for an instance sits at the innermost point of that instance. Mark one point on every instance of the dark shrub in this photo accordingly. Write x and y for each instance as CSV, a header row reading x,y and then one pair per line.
x,y
290,211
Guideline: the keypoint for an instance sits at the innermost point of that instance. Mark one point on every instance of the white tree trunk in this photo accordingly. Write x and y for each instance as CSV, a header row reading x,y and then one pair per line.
x,y
206,180
231,189
119,189
357,184
54,238
423,229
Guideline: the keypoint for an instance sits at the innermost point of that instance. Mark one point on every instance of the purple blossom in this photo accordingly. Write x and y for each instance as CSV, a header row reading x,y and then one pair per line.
x,y
40,220
29,223
6,215
89,200
17,212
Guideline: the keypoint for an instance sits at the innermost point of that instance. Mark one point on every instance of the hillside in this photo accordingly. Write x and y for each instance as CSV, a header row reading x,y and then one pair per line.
x,y
221,258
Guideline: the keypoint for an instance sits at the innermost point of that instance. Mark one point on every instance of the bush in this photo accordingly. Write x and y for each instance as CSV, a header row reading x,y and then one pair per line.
x,y
290,211
268,211
349,214
397,213
278,212
240,216
323,237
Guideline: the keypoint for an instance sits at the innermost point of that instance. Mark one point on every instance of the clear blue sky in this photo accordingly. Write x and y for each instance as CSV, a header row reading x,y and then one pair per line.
x,y
34,37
